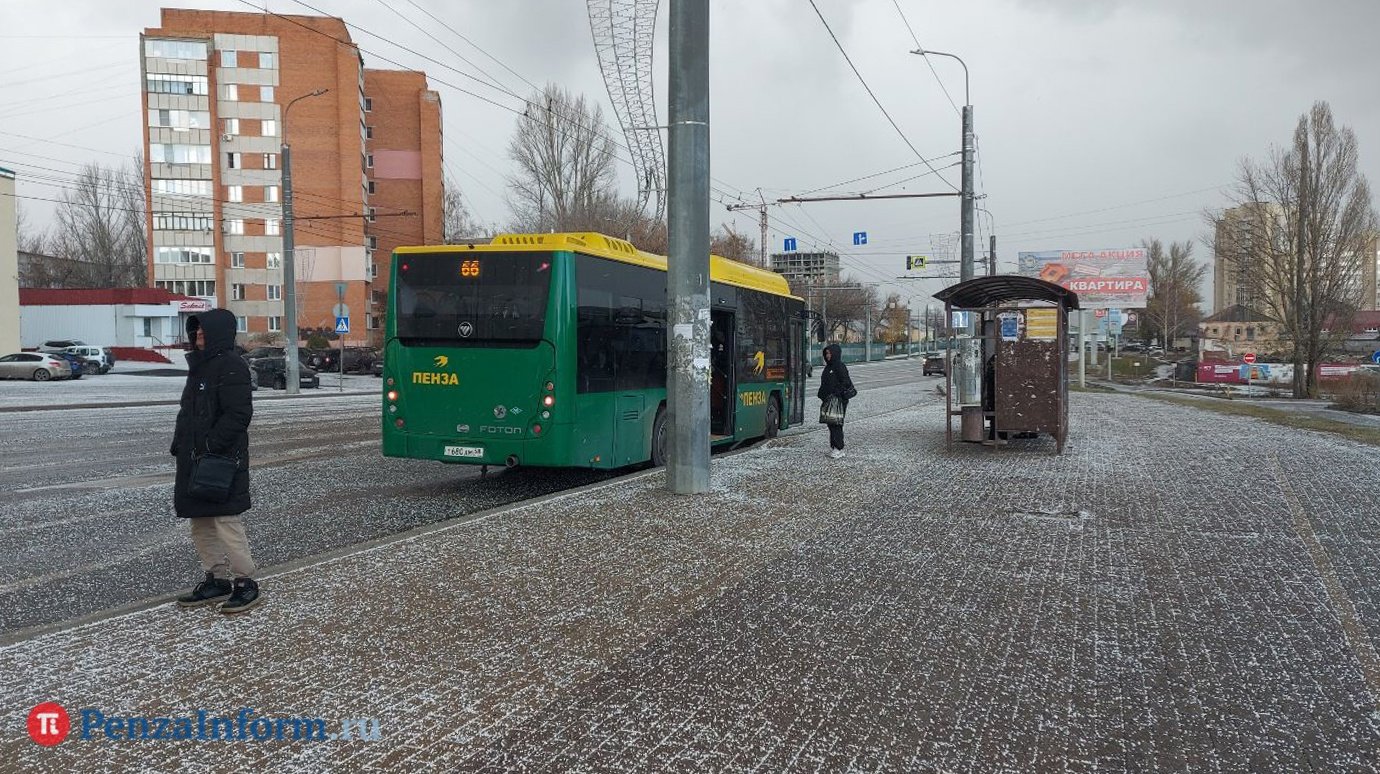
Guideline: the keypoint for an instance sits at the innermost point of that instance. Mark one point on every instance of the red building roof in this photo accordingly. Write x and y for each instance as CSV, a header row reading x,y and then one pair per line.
x,y
98,296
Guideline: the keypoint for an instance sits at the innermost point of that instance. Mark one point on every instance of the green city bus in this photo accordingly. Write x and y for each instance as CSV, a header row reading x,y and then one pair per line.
x,y
550,350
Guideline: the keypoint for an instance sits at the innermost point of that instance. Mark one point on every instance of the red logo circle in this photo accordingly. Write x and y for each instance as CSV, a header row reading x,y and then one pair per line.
x,y
48,723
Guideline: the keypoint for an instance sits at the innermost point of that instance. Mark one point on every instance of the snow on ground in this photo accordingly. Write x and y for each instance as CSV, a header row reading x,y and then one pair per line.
x,y
1179,590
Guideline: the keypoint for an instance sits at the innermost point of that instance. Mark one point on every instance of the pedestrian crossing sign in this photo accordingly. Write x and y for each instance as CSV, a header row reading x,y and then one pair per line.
x,y
342,325
916,262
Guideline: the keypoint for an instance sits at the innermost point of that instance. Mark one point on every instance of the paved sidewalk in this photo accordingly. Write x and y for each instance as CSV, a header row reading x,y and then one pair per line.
x,y
1180,590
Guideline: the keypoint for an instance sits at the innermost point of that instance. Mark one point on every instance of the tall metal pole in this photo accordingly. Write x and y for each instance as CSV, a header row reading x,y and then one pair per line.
x,y
992,256
687,378
292,369
1083,348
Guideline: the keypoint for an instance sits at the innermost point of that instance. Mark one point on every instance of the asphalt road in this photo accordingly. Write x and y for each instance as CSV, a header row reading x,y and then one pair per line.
x,y
86,524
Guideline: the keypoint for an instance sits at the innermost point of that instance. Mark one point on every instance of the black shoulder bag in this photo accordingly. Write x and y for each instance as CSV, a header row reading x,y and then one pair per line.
x,y
212,476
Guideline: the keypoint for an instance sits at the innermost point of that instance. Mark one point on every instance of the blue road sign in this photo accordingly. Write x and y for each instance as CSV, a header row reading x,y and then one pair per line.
x,y
1375,358
790,245
342,325
859,237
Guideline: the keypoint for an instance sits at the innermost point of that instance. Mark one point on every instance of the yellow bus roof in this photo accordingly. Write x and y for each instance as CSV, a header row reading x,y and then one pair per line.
x,y
720,269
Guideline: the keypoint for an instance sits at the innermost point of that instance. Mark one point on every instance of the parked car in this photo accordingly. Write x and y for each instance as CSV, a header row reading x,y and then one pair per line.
x,y
934,365
320,360
272,372
377,366
38,366
98,355
79,365
58,345
260,352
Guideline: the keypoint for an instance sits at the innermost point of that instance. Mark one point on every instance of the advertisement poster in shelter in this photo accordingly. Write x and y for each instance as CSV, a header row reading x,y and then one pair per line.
x,y
1115,278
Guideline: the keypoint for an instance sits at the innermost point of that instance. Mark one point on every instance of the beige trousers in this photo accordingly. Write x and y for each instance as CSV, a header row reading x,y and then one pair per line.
x,y
223,546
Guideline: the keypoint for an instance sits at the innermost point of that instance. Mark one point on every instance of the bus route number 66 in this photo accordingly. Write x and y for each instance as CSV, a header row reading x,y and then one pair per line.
x,y
469,268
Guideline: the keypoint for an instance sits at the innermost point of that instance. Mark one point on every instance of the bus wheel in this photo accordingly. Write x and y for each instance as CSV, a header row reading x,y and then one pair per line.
x,y
659,439
773,417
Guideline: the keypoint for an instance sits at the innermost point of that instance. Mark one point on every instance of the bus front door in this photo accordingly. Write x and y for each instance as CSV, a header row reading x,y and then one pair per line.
x,y
721,377
795,413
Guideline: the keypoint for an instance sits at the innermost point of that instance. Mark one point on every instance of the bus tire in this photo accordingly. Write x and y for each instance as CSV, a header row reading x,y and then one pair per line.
x,y
659,438
773,428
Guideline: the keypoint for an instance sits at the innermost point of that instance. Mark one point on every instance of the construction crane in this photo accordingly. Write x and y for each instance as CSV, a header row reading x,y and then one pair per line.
x,y
624,31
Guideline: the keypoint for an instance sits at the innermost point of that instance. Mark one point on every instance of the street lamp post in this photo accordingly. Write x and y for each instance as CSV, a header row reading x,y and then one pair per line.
x,y
966,370
292,370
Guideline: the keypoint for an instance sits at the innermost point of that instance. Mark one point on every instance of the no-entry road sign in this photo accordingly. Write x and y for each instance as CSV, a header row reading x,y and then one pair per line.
x,y
1249,357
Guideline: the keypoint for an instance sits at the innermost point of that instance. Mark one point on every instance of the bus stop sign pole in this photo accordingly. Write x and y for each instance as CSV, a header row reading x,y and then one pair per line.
x,y
687,276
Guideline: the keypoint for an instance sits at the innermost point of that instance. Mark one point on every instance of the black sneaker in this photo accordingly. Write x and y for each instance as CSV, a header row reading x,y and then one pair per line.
x,y
209,591
245,596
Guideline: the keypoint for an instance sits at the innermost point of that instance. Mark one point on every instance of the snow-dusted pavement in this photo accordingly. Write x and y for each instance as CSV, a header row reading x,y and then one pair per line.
x,y
1180,590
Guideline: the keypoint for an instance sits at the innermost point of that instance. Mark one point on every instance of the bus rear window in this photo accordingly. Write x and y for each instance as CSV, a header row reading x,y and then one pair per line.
x,y
479,297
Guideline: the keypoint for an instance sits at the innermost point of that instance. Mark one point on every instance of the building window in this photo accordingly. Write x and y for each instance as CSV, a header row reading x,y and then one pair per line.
x,y
368,104
234,226
242,324
270,193
270,161
237,292
274,260
269,129
175,49
228,58
275,323
368,132
181,221
162,83
234,161
237,260
232,126
148,327
178,187
230,92
374,322
182,254
370,212
373,242
373,270
189,287
265,93
275,292
179,120
1250,334
271,227
234,193
369,161
371,186
267,60
161,153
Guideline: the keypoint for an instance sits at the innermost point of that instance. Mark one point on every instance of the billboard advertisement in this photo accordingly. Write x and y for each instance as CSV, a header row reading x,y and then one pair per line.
x,y
1115,278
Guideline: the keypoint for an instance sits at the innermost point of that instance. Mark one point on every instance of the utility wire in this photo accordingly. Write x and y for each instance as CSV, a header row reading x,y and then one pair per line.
x,y
870,93
933,71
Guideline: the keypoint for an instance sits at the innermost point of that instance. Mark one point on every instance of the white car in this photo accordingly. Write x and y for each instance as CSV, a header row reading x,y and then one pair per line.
x,y
37,366
97,355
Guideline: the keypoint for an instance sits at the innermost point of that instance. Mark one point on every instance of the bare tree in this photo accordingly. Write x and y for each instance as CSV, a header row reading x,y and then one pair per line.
x,y
100,223
565,156
457,222
734,245
842,306
1175,282
29,238
1300,235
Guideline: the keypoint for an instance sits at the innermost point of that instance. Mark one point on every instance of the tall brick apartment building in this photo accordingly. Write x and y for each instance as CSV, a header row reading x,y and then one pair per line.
x,y
215,88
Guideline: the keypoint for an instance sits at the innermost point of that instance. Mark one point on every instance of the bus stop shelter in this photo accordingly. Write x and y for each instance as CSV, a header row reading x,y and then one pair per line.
x,y
1022,325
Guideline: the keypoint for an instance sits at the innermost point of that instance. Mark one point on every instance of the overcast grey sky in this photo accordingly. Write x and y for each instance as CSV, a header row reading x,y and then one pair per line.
x,y
1100,122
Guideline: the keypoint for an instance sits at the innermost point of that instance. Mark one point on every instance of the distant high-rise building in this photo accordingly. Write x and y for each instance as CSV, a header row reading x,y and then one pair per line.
x,y
216,88
807,268
1238,244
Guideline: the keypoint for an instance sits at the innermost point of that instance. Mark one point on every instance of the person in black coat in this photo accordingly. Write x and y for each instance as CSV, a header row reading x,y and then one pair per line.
x,y
835,382
214,417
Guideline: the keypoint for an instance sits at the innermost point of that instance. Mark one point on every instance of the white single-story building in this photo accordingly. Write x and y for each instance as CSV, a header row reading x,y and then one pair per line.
x,y
147,318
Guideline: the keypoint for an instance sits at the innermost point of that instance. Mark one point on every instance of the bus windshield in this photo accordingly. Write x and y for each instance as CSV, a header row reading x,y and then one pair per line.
x,y
457,298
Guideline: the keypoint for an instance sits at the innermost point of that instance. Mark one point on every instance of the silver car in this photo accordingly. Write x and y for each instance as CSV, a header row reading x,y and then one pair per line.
x,y
33,365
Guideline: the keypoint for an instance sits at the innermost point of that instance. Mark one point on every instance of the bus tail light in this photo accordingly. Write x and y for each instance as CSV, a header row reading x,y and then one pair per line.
x,y
550,386
536,429
398,423
548,401
393,395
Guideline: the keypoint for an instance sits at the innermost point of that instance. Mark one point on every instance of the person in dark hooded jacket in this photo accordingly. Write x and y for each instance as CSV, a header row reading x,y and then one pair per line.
x,y
835,382
214,417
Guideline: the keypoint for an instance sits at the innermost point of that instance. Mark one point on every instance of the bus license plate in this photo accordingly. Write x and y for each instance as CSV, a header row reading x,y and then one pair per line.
x,y
463,451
